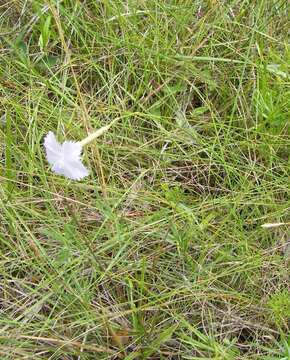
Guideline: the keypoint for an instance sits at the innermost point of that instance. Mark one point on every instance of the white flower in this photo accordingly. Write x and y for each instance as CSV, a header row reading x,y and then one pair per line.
x,y
65,158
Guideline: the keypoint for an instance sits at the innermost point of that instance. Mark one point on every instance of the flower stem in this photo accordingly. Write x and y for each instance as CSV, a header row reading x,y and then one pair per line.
x,y
96,134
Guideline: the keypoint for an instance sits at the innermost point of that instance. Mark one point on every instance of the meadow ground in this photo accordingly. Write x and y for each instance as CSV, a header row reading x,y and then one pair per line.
x,y
160,252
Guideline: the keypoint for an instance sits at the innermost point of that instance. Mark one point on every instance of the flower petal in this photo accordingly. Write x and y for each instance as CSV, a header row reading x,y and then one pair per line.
x,y
52,147
74,170
71,150
65,158
77,170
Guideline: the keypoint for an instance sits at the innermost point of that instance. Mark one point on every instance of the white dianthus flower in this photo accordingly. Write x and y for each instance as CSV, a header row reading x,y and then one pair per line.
x,y
65,158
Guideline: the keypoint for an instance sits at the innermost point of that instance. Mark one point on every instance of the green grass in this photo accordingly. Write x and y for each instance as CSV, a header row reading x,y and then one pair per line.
x,y
159,253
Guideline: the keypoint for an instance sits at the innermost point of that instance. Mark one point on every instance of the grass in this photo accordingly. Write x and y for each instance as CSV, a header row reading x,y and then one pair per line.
x,y
159,253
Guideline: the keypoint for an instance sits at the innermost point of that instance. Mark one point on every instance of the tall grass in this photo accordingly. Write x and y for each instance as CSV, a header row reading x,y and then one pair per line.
x,y
160,253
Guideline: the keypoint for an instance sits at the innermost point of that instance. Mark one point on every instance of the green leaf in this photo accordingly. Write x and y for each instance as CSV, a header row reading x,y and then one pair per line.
x,y
161,339
275,69
45,33
133,356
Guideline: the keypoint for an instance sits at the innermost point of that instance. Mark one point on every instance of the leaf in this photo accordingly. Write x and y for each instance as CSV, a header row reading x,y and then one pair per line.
x,y
181,119
21,50
199,111
133,356
47,62
45,34
21,46
174,89
275,69
163,337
